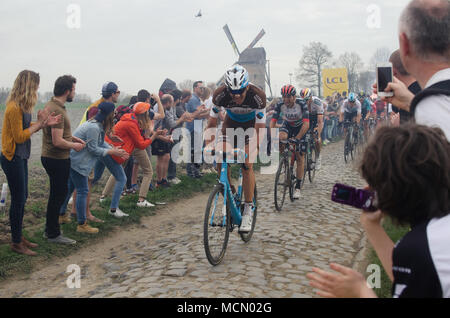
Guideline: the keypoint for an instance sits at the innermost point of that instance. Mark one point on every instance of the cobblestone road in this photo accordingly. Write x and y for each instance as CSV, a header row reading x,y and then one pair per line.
x,y
168,259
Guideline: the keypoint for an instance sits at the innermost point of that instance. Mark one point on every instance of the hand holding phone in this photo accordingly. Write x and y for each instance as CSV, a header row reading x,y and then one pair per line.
x,y
384,77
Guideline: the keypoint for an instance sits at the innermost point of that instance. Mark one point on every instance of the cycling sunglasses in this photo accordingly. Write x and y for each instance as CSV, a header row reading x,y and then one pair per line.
x,y
236,91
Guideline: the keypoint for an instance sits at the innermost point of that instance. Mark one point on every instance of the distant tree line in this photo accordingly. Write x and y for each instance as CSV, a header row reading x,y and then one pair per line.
x,y
316,57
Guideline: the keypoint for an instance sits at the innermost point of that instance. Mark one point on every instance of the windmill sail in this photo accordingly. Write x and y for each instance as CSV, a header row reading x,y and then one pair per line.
x,y
258,37
230,38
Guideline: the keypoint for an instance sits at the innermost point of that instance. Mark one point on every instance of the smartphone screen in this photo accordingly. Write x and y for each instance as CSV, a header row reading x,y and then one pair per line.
x,y
343,194
384,77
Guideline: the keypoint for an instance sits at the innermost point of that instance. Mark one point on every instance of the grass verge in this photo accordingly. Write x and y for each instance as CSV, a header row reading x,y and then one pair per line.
x,y
12,263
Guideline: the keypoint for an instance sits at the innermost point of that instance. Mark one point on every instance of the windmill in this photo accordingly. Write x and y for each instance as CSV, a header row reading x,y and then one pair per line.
x,y
254,60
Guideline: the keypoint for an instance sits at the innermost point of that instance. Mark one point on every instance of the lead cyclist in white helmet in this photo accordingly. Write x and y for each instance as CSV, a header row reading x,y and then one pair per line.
x,y
245,105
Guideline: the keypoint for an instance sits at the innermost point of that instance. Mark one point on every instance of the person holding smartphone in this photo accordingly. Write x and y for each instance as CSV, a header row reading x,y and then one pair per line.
x,y
417,160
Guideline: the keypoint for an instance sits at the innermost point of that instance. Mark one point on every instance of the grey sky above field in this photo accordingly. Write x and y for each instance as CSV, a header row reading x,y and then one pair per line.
x,y
139,43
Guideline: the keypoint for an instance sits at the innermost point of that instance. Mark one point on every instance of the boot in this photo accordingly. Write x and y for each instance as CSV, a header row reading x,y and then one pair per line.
x,y
22,249
28,243
86,228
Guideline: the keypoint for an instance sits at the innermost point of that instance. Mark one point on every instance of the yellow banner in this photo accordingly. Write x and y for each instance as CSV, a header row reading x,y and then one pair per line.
x,y
334,80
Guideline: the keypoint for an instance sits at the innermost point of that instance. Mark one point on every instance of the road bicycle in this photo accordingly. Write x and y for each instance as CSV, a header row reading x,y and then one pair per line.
x,y
285,177
351,140
224,209
311,155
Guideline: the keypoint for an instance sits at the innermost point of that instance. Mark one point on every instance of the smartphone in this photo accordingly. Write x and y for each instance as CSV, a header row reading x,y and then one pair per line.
x,y
358,198
384,77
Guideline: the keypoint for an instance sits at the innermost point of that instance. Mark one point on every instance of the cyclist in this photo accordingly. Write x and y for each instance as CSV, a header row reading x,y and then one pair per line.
x,y
381,110
316,109
244,104
366,108
350,112
295,115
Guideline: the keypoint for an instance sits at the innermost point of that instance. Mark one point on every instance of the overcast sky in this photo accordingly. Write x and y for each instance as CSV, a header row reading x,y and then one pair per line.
x,y
139,43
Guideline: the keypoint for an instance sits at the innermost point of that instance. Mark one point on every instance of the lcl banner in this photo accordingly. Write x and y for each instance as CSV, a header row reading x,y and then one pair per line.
x,y
334,80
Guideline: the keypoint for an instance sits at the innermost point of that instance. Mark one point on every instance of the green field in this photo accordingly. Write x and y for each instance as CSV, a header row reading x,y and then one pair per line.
x,y
41,105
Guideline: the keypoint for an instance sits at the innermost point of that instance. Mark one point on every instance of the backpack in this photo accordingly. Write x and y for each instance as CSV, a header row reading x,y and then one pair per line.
x,y
441,88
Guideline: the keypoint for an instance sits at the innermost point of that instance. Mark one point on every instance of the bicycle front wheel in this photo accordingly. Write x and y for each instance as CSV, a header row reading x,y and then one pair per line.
x,y
346,147
216,227
281,184
312,159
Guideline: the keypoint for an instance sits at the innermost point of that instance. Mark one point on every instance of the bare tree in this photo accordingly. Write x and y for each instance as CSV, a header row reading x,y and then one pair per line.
x,y
315,56
186,84
4,93
381,55
353,63
366,79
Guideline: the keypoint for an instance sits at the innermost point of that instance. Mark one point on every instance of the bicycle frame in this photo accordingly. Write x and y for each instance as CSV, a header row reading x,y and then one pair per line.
x,y
236,217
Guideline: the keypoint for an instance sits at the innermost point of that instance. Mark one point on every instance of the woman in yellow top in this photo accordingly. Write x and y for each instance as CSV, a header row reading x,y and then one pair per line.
x,y
16,147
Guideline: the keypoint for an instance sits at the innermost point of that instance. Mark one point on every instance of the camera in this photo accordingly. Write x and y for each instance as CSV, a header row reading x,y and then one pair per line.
x,y
358,198
152,101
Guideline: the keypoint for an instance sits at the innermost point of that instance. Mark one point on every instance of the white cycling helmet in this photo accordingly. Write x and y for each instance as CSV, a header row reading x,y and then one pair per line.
x,y
236,79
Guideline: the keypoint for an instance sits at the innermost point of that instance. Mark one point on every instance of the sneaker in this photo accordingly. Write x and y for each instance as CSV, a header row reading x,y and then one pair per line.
x,y
296,194
118,214
62,240
86,228
163,184
70,200
65,218
151,187
102,199
247,218
174,180
144,204
318,163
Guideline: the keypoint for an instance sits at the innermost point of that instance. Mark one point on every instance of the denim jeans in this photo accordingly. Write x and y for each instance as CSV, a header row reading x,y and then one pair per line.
x,y
80,183
16,172
58,171
331,127
117,171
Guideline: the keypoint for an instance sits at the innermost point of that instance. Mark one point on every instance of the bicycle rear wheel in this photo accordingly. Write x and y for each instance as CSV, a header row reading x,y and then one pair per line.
x,y
247,236
281,184
216,226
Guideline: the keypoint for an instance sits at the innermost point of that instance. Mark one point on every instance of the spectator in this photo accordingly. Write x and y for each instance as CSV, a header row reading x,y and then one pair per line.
x,y
333,117
199,111
145,97
56,144
16,148
206,99
181,107
172,169
403,76
163,144
110,93
417,160
129,130
81,164
425,53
